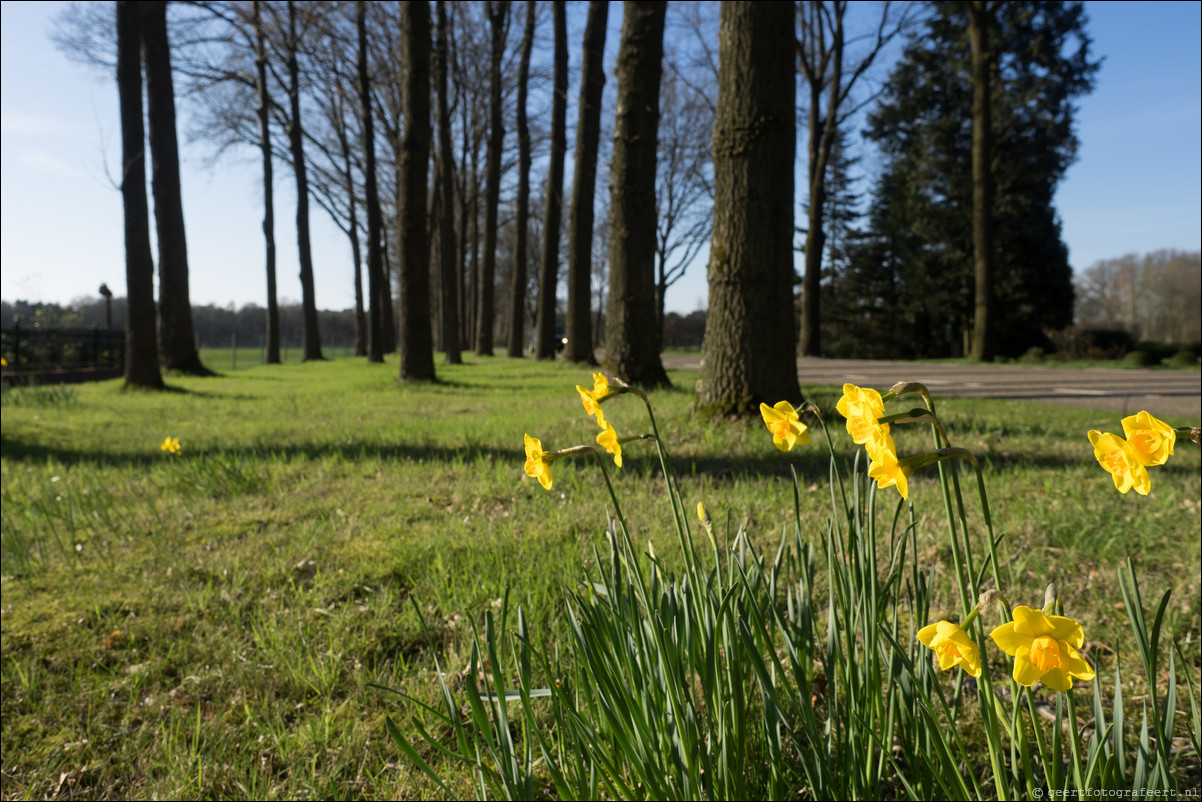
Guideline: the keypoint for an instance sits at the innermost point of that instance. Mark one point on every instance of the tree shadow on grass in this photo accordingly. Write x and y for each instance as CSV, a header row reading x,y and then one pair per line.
x,y
812,463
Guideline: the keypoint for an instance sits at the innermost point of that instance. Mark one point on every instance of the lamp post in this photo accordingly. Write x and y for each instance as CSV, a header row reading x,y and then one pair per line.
x,y
108,306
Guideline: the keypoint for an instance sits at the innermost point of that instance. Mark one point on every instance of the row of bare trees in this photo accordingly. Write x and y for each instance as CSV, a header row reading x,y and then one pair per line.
x,y
311,83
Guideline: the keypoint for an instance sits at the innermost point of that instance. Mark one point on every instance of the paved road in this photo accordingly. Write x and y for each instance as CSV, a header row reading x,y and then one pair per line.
x,y
1161,392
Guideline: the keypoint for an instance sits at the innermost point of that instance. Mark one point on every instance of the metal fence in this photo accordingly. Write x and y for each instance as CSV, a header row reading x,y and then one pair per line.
x,y
26,349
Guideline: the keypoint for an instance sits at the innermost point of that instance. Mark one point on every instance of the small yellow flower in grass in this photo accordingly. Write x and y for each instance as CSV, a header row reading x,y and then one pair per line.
x,y
536,463
1044,648
786,427
170,445
1151,439
608,439
862,407
3,362
953,646
885,468
1119,457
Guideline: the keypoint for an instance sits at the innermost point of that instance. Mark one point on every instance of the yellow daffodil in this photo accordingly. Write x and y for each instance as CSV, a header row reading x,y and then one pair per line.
x,y
885,468
3,362
786,427
590,400
170,445
608,439
953,646
600,385
1044,648
536,462
1119,457
1151,439
862,407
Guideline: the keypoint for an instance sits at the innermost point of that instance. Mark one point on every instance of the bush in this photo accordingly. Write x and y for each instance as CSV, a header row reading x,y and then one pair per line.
x,y
1140,359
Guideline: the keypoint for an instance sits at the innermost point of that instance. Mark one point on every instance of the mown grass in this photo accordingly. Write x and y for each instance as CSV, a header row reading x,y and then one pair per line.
x,y
213,624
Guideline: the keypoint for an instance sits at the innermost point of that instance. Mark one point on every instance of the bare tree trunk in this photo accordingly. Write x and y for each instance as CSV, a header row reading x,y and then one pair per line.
x,y
749,356
141,344
417,347
549,278
177,340
375,226
517,292
388,325
357,257
312,337
979,14
631,338
584,184
272,356
498,16
446,210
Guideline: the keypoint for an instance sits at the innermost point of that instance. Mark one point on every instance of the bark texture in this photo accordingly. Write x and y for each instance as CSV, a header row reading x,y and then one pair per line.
x,y
375,224
517,292
982,181
272,354
446,199
417,345
141,345
311,345
748,357
177,339
498,18
544,347
579,328
631,336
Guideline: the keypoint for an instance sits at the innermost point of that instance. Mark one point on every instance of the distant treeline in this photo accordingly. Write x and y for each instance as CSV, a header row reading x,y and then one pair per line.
x,y
216,326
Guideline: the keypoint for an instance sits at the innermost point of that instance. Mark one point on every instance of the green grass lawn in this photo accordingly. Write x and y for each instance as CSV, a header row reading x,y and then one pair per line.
x,y
212,624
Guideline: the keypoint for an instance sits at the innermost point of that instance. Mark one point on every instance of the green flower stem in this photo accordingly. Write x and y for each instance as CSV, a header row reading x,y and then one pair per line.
x,y
941,441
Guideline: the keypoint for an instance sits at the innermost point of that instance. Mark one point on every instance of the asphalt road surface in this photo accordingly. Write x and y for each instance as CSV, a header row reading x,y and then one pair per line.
x,y
1161,392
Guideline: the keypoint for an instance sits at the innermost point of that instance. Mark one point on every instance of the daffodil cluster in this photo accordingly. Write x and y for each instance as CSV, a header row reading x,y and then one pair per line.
x,y
1044,647
863,408
538,461
1149,442
608,439
171,446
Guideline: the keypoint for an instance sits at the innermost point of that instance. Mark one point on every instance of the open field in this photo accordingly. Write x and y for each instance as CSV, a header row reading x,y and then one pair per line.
x,y
211,624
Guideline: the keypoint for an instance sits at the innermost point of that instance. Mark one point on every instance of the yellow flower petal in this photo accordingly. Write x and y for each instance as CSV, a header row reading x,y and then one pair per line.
x,y
1118,457
783,421
888,473
1057,679
1008,640
1067,630
1151,439
953,646
600,385
1075,664
608,439
536,462
1025,673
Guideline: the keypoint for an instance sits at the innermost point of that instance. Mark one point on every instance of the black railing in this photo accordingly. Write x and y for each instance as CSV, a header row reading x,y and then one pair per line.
x,y
37,349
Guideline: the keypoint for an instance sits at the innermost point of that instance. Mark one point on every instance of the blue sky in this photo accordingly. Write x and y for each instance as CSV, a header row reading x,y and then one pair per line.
x,y
1136,187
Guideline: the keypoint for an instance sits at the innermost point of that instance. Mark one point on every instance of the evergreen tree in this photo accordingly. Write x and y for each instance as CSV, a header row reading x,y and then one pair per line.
x,y
924,128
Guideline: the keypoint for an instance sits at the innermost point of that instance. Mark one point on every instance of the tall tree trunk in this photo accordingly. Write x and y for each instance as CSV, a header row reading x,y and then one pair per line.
x,y
312,337
388,325
498,17
417,347
177,340
979,14
517,291
749,356
631,338
375,225
272,355
473,279
141,344
446,203
549,273
357,258
584,184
